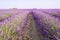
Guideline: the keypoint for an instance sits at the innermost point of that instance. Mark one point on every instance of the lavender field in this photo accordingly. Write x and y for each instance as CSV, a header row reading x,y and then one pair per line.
x,y
29,24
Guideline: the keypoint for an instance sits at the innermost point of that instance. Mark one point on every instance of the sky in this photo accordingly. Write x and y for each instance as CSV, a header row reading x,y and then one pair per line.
x,y
30,4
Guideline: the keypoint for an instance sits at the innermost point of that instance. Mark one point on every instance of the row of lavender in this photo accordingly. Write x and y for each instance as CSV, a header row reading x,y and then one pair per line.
x,y
11,24
48,24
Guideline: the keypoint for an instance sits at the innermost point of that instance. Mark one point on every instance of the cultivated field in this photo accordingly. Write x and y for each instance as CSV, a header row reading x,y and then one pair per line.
x,y
29,24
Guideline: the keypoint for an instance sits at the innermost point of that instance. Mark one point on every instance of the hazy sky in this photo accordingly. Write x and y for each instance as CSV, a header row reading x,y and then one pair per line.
x,y
5,4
